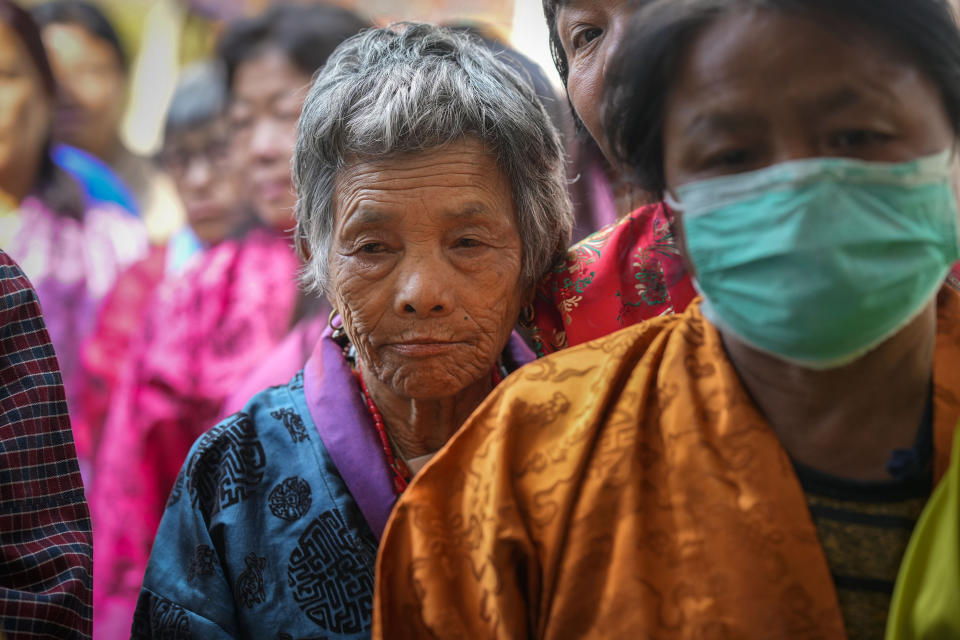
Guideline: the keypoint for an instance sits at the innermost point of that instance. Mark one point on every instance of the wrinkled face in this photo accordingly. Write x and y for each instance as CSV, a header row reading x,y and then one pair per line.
x,y
425,267
92,88
268,94
847,95
25,109
198,160
590,32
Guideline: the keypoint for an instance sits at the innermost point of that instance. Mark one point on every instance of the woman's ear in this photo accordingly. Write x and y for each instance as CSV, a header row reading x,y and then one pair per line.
x,y
529,293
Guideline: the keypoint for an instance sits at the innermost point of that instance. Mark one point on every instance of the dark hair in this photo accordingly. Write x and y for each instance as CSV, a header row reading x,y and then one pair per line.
x,y
25,27
642,72
53,186
82,14
527,69
550,10
200,96
307,35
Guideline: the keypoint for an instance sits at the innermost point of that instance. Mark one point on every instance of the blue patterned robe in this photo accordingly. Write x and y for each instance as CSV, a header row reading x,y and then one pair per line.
x,y
261,538
272,527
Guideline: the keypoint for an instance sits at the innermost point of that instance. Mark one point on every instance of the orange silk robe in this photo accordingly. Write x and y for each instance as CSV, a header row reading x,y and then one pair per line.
x,y
625,488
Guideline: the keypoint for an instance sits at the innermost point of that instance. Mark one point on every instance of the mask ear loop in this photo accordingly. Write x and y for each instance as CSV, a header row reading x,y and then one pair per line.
x,y
671,199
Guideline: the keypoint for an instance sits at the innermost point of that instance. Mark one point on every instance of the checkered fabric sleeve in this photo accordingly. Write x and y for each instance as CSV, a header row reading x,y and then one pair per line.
x,y
46,553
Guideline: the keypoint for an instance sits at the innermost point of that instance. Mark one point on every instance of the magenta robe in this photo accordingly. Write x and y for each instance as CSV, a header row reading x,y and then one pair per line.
x,y
204,332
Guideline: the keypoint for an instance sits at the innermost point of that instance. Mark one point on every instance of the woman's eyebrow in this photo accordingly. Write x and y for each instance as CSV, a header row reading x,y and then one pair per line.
x,y
846,97
565,8
724,122
365,216
469,212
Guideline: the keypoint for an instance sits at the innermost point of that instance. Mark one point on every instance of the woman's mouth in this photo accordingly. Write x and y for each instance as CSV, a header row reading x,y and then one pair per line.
x,y
424,348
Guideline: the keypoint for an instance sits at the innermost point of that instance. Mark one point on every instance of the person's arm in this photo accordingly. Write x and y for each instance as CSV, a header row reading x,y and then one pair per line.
x,y
45,539
185,591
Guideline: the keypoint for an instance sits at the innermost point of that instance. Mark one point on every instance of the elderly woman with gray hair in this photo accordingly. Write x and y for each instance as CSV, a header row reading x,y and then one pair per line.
x,y
431,199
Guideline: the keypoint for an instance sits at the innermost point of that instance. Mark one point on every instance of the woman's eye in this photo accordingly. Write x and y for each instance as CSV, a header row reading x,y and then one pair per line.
x,y
583,37
856,139
468,243
730,159
372,247
240,123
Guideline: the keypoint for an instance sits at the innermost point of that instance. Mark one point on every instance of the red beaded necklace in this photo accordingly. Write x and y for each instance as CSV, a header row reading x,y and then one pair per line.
x,y
401,473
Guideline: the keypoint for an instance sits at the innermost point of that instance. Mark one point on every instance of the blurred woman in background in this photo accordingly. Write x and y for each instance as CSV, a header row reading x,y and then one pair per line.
x,y
196,156
90,66
205,331
71,250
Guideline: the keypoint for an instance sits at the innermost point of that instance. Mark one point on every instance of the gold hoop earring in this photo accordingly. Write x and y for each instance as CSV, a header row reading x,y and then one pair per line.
x,y
337,331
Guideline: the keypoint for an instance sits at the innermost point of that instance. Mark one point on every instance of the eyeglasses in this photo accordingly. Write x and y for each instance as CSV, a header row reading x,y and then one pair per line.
x,y
179,160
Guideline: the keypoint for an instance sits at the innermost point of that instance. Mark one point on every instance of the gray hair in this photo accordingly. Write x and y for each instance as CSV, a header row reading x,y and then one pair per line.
x,y
413,87
200,96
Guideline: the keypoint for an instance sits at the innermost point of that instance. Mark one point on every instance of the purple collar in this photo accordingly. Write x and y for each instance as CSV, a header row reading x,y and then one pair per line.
x,y
336,405
343,421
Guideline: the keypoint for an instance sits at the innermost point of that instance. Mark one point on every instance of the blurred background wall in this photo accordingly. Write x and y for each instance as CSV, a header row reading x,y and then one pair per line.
x,y
163,35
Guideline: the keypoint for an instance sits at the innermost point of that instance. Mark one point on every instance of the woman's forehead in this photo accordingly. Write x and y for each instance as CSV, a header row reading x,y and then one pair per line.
x,y
801,59
460,180
12,49
268,75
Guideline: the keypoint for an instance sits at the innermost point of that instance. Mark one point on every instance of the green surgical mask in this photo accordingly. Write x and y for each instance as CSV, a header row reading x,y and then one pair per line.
x,y
819,261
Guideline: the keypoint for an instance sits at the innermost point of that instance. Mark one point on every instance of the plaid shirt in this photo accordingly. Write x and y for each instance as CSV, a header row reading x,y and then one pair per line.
x,y
46,555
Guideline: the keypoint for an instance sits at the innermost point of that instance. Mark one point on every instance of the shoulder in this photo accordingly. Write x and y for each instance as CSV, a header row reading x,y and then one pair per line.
x,y
257,259
639,226
139,279
24,341
229,463
620,275
553,407
13,281
111,217
201,283
212,265
279,537
593,363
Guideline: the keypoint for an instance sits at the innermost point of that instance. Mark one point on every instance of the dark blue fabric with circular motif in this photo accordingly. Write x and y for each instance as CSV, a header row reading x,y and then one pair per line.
x,y
261,538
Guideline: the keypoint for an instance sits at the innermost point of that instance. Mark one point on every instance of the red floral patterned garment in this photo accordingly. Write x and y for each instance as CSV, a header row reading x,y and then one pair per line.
x,y
623,274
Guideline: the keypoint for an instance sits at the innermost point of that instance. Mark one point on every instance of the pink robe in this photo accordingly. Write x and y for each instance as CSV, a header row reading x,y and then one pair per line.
x,y
120,318
73,264
203,333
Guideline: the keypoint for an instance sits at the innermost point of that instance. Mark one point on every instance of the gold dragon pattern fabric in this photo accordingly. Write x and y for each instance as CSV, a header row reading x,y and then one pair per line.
x,y
627,487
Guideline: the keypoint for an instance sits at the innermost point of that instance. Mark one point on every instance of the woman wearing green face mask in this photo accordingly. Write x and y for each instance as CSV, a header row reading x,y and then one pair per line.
x,y
755,466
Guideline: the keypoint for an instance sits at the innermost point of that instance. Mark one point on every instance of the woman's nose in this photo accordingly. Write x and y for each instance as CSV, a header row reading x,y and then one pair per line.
x,y
423,289
795,142
264,140
198,173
